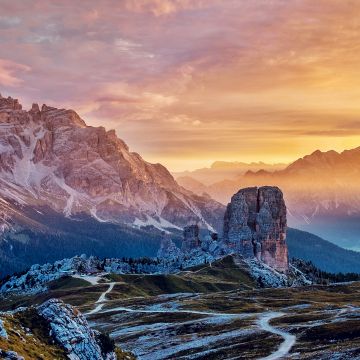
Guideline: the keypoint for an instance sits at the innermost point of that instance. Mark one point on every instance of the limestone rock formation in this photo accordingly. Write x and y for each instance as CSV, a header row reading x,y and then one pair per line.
x,y
3,332
191,239
210,243
50,157
255,225
35,279
72,331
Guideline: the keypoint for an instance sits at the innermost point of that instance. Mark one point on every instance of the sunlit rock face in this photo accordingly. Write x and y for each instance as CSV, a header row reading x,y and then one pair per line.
x,y
49,156
255,225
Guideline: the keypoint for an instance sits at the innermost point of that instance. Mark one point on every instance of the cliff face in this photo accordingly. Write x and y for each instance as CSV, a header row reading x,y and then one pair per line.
x,y
255,225
50,157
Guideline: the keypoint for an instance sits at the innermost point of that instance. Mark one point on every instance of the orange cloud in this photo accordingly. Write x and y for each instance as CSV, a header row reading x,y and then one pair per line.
x,y
188,82
164,7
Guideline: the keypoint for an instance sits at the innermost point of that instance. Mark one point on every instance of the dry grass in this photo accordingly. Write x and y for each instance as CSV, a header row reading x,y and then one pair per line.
x,y
35,344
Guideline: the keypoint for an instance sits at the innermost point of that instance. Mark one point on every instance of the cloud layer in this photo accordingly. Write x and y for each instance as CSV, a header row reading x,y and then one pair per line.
x,y
185,82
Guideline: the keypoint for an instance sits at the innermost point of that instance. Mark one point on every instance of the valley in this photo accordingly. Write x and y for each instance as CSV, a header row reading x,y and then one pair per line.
x,y
296,323
238,296
212,311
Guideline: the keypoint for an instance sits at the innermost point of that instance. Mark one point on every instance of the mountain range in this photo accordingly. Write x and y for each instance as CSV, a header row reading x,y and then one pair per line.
x,y
321,191
220,170
67,188
325,255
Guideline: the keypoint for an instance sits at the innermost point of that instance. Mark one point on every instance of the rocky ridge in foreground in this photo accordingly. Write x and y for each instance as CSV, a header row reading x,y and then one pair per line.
x,y
53,330
71,330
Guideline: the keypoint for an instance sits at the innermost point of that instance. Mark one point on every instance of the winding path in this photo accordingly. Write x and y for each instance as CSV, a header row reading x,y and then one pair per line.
x,y
289,340
176,311
263,321
102,299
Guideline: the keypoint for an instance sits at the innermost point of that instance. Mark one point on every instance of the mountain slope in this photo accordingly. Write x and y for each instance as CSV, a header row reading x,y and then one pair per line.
x,y
158,316
51,157
321,190
67,188
220,170
46,236
325,255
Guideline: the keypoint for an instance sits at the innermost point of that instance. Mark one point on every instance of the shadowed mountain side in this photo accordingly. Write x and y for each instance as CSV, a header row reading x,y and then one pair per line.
x,y
46,236
324,254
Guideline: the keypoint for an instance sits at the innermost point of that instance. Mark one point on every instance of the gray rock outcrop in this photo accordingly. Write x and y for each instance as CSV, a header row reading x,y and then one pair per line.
x,y
71,330
255,226
191,239
10,355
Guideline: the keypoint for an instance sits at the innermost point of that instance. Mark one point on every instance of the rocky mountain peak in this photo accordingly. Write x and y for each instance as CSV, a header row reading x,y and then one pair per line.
x,y
50,157
35,108
255,225
9,103
168,249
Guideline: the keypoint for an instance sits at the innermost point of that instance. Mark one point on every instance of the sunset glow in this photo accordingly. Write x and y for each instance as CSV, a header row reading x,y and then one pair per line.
x,y
188,82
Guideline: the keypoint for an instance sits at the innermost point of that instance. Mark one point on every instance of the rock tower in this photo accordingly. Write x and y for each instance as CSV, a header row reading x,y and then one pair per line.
x,y
255,225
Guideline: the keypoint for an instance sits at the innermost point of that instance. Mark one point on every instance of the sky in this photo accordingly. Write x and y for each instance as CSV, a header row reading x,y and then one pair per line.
x,y
188,82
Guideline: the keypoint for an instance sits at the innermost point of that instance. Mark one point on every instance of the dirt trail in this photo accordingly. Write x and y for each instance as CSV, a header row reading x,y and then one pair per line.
x,y
263,321
289,340
102,299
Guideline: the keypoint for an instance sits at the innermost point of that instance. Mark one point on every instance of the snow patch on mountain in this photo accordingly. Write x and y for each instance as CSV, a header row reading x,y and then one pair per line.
x,y
159,223
52,158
